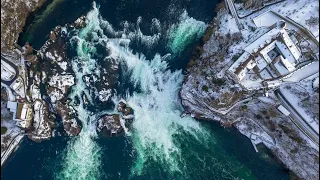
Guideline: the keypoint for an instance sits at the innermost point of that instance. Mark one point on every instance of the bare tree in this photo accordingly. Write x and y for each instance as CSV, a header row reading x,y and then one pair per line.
x,y
313,21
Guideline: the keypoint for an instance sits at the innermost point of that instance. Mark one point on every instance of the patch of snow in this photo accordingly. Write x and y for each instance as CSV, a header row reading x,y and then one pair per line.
x,y
55,95
267,100
61,81
11,97
63,65
104,94
228,25
294,101
303,72
316,82
50,56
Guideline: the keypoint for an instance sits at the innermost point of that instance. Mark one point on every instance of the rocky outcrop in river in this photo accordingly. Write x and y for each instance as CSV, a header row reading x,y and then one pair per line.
x,y
110,125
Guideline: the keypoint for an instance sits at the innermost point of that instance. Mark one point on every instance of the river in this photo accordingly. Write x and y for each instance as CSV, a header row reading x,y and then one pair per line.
x,y
152,41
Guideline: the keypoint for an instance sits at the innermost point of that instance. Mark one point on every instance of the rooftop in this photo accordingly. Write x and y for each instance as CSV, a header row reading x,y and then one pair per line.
x,y
271,56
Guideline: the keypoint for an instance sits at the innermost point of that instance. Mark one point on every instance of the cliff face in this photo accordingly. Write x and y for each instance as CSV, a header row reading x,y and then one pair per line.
x,y
209,92
13,17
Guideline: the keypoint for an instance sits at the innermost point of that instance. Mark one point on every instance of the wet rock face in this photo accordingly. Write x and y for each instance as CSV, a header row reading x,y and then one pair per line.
x,y
71,124
4,94
58,77
56,74
123,108
102,84
128,111
54,52
79,23
42,123
110,125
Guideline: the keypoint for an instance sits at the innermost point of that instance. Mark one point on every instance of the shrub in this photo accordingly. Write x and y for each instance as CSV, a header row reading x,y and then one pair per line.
x,y
244,107
207,34
218,81
235,57
3,130
258,116
292,134
272,125
294,151
205,88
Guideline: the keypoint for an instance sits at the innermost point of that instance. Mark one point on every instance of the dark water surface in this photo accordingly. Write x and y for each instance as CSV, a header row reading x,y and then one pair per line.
x,y
162,145
39,160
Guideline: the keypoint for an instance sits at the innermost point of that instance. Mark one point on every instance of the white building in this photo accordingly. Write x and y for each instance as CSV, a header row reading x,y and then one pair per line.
x,y
271,56
22,113
7,72
18,87
283,110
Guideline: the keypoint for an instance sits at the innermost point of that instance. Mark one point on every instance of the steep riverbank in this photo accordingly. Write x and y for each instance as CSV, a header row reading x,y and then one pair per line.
x,y
13,18
209,93
161,145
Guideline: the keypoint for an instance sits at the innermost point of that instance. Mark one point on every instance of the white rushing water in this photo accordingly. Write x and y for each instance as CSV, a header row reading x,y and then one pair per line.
x,y
184,33
156,106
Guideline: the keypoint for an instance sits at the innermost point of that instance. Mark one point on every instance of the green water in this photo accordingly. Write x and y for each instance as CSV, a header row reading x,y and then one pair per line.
x,y
161,145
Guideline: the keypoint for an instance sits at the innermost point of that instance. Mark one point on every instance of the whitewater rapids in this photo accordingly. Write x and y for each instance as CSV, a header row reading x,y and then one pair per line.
x,y
158,130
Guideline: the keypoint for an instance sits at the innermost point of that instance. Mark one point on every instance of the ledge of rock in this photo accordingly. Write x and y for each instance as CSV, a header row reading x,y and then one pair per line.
x,y
112,125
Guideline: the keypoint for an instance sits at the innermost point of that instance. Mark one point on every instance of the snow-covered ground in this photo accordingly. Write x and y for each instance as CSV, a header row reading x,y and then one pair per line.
x,y
299,11
294,100
304,72
12,132
267,100
55,95
11,96
229,25
201,94
269,18
61,81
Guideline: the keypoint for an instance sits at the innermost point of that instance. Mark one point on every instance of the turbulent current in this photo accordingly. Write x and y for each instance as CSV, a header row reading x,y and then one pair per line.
x,y
139,47
158,129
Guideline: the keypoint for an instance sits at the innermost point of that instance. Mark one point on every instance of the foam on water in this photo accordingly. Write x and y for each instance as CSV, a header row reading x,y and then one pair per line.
x,y
157,125
184,33
158,128
157,122
82,156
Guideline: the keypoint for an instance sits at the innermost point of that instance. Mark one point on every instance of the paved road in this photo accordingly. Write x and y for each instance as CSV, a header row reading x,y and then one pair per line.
x,y
14,67
298,120
234,13
12,146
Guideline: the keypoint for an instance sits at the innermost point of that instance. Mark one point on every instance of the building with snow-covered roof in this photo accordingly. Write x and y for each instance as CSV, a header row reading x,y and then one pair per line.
x,y
283,110
22,113
271,56
7,71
